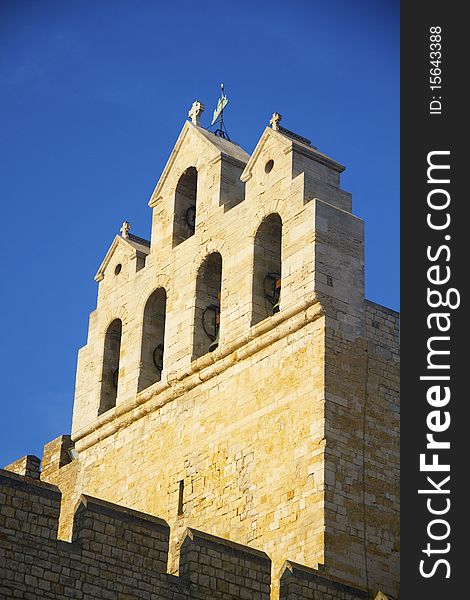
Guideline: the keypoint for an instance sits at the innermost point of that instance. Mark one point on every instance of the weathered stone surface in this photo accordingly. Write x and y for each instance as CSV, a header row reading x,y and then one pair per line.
x,y
29,466
285,437
117,553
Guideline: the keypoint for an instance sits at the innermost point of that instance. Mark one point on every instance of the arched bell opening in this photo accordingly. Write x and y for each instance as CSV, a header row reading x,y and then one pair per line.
x,y
110,373
184,221
267,269
207,312
153,337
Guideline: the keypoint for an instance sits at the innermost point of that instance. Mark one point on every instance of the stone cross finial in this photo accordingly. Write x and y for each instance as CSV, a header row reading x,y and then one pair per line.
x,y
275,120
125,229
196,111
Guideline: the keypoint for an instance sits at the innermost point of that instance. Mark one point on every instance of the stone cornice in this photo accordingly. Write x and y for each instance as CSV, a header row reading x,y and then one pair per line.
x,y
269,331
317,156
226,158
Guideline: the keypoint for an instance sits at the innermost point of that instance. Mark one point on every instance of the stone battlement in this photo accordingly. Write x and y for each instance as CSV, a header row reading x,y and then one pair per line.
x,y
119,553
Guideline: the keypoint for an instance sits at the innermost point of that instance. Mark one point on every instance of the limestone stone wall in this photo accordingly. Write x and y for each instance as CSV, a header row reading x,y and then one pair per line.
x,y
285,437
227,433
362,452
272,452
216,568
120,554
222,225
115,553
301,583
29,466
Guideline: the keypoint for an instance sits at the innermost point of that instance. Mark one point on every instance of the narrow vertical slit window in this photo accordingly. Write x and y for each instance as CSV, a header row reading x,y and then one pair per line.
x,y
181,497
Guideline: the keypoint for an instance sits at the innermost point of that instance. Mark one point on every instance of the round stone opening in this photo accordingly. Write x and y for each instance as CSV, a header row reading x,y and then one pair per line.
x,y
268,167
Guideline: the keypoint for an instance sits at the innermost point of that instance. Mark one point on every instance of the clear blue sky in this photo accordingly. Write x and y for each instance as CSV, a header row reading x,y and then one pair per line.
x,y
93,97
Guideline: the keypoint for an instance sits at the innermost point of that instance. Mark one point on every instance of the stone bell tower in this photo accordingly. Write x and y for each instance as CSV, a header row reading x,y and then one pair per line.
x,y
235,379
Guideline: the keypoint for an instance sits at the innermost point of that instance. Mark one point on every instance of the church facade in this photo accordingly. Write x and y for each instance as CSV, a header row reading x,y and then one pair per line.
x,y
235,380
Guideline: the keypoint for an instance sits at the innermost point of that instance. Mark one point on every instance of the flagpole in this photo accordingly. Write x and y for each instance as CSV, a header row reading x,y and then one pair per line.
x,y
222,111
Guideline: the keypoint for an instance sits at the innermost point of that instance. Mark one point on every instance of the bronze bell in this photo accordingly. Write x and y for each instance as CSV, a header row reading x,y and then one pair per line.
x,y
277,292
215,343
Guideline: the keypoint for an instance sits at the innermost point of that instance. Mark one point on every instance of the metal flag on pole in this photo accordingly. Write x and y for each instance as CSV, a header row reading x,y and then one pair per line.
x,y
221,104
219,114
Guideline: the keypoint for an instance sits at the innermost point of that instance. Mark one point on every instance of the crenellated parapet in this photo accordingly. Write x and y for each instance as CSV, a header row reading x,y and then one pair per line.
x,y
107,531
117,553
230,570
304,583
29,466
